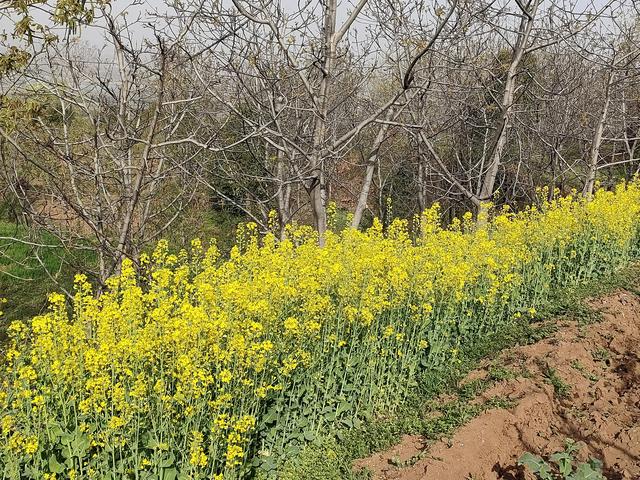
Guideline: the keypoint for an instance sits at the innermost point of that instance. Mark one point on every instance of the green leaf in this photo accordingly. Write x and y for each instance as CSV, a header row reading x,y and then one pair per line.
x,y
54,465
366,414
571,446
330,417
145,438
537,465
30,472
545,472
270,416
564,462
148,476
347,422
343,407
55,430
595,464
79,444
530,461
167,460
292,451
586,472
169,474
268,464
66,438
309,435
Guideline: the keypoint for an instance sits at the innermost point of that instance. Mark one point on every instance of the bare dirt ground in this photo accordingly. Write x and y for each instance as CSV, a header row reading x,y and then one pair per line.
x,y
600,406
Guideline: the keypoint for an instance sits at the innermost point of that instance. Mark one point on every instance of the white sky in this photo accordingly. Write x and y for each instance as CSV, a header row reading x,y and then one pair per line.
x,y
94,36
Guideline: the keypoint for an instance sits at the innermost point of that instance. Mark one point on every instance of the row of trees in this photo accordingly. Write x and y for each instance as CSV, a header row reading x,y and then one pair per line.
x,y
264,105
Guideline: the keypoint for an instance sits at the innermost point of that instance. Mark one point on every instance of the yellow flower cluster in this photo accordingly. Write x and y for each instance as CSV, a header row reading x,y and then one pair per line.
x,y
207,368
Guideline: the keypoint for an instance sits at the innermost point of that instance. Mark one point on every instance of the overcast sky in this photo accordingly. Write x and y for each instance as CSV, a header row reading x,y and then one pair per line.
x,y
94,36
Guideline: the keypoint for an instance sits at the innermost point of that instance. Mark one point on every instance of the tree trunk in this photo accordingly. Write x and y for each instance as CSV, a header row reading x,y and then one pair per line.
x,y
320,153
372,160
594,153
506,106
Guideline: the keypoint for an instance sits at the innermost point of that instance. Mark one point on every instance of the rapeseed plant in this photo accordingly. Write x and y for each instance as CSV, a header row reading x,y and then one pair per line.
x,y
193,367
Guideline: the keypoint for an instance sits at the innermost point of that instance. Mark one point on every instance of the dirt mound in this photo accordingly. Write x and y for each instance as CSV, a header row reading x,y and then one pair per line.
x,y
582,383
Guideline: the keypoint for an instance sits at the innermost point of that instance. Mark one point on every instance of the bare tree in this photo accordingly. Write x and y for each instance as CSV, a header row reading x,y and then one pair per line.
x,y
615,55
501,87
100,142
302,73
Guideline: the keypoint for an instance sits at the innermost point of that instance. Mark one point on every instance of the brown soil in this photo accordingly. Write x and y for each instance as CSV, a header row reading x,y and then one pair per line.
x,y
599,362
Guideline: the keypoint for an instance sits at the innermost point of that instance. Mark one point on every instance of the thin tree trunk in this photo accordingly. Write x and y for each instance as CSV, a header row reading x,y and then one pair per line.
x,y
506,106
320,153
283,194
372,160
422,175
594,153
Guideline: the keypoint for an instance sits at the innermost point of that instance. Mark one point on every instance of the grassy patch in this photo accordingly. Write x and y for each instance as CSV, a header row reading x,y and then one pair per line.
x,y
601,354
560,387
28,272
577,365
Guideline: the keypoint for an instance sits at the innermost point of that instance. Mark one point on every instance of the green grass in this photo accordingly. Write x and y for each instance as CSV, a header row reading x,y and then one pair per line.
x,y
577,365
28,273
601,354
331,457
560,387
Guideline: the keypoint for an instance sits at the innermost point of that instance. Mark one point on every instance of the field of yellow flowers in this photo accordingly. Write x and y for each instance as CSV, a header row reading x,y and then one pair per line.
x,y
202,368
